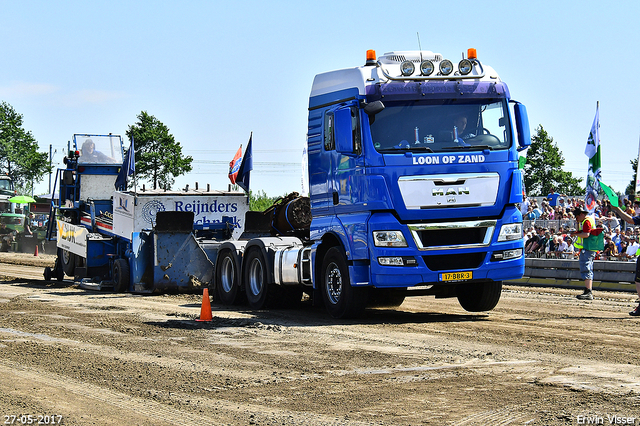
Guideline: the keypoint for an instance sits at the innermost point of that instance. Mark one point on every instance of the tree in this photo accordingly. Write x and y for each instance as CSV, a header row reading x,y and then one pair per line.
x,y
19,156
259,201
631,188
158,156
543,169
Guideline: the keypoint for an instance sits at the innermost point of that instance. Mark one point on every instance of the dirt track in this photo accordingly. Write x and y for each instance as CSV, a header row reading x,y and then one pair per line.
x,y
541,357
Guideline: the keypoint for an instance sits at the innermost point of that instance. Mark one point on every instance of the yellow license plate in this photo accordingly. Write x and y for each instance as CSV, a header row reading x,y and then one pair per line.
x,y
456,276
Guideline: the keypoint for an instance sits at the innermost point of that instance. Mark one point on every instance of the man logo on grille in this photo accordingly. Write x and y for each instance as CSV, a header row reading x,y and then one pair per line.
x,y
451,191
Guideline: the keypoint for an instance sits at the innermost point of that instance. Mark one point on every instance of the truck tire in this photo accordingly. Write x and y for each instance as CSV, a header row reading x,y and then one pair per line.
x,y
121,273
479,297
256,285
59,274
48,273
340,299
68,261
228,278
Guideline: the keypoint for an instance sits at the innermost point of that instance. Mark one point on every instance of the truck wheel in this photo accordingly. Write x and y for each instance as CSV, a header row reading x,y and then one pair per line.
x,y
478,297
340,298
228,279
48,273
256,285
121,274
68,261
59,274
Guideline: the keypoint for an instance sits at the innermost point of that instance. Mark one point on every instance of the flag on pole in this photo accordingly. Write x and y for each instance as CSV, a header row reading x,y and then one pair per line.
x,y
592,151
521,162
611,195
234,166
593,142
245,167
128,168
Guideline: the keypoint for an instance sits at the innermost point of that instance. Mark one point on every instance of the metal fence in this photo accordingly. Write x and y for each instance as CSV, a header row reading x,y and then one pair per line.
x,y
619,276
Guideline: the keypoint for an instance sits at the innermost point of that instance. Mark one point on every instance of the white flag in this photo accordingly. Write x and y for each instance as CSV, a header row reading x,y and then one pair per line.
x,y
594,174
593,142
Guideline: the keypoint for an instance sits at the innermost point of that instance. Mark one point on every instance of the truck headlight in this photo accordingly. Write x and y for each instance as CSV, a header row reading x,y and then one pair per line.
x,y
446,67
510,232
397,261
465,67
389,239
426,67
506,255
407,68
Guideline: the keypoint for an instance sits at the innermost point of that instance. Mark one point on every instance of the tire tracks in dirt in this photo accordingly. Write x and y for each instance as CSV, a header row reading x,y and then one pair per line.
x,y
76,397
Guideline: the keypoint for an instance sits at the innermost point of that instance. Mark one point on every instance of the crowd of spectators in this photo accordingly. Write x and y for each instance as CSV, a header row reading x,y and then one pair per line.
x,y
622,241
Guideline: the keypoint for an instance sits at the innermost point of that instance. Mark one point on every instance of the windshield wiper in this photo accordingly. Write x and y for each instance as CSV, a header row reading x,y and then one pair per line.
x,y
407,148
467,147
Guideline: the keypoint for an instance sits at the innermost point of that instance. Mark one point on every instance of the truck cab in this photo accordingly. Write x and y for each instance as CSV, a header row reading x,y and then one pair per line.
x,y
6,191
414,179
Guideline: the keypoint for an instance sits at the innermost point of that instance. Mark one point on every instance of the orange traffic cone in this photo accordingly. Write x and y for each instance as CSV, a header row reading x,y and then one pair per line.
x,y
205,310
35,253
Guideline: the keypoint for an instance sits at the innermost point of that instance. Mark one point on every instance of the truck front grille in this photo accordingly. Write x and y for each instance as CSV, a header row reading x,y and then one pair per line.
x,y
447,262
452,235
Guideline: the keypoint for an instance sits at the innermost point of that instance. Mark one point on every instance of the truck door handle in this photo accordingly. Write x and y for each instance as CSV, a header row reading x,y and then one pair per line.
x,y
336,198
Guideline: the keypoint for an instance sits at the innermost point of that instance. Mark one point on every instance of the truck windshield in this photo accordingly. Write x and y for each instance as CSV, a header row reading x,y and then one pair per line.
x,y
441,126
99,149
5,184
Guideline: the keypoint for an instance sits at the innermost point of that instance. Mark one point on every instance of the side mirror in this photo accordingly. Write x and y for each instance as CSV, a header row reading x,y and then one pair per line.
x,y
522,126
343,132
373,108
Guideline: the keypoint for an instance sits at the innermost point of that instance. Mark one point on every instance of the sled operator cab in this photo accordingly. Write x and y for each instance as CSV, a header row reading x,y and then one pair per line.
x,y
82,214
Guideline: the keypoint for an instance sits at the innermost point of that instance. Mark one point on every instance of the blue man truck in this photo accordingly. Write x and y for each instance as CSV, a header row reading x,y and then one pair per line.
x,y
413,185
413,181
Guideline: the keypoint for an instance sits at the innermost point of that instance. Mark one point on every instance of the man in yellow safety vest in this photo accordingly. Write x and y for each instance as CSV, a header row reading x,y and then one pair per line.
x,y
585,242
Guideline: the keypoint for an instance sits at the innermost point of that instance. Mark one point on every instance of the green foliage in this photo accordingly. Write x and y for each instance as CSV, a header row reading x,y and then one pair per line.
x,y
631,188
158,156
19,156
543,169
259,201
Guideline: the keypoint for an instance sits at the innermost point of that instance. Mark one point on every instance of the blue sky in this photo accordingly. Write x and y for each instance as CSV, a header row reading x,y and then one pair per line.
x,y
215,71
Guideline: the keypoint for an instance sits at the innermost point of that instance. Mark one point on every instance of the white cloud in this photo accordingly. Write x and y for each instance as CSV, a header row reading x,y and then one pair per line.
x,y
54,94
90,96
22,89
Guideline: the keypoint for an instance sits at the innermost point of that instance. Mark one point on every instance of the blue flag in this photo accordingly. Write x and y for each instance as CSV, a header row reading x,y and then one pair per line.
x,y
127,169
245,167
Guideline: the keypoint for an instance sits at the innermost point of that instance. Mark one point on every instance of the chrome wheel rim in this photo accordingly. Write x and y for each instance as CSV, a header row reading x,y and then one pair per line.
x,y
333,279
255,277
228,273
